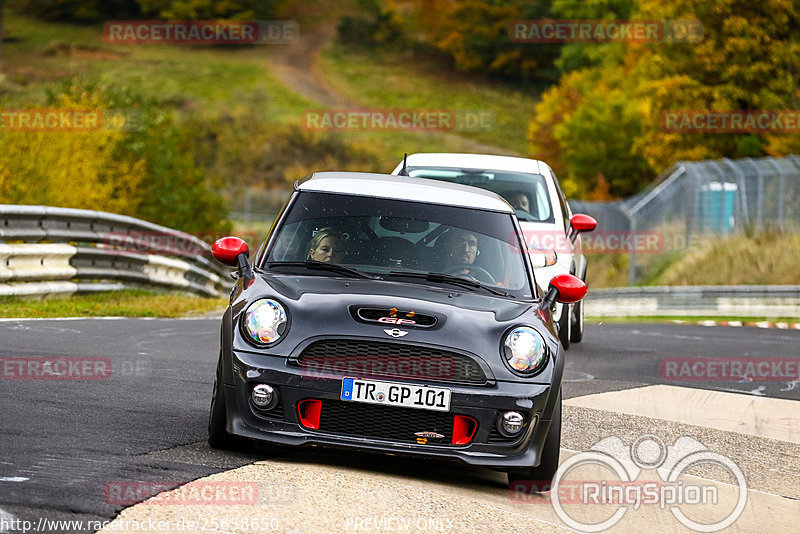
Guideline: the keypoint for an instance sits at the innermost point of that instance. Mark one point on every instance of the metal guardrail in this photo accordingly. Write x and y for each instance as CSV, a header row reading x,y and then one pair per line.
x,y
45,250
731,301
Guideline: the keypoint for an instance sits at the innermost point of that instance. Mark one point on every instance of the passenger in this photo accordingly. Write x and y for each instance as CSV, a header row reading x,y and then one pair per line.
x,y
520,201
326,246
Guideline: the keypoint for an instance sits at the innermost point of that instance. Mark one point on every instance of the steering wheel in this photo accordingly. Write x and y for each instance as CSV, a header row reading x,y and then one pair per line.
x,y
483,274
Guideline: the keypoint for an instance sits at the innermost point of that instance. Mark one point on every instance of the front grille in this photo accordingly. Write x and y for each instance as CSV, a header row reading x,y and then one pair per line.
x,y
389,360
384,422
496,437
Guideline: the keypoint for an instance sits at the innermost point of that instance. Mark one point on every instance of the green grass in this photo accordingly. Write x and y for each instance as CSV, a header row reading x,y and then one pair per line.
x,y
201,79
767,258
687,318
126,303
390,80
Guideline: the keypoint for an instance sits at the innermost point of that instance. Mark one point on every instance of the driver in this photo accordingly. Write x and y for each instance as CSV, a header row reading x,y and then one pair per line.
x,y
326,246
460,248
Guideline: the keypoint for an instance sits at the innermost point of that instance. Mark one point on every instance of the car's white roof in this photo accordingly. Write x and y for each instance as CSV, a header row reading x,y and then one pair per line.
x,y
403,188
474,161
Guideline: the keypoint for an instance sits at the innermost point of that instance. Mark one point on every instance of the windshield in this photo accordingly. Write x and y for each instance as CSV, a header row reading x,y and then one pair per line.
x,y
527,193
397,239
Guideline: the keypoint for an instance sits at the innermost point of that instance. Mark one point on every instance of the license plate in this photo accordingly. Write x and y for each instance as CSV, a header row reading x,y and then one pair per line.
x,y
391,394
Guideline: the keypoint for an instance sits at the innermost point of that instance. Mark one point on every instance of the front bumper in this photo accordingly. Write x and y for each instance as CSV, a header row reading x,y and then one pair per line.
x,y
281,425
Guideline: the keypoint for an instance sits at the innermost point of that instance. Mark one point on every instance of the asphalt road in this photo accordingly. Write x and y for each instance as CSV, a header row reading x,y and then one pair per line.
x,y
64,441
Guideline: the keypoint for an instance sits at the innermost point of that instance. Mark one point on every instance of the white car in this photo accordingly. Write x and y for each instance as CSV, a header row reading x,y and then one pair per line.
x,y
532,189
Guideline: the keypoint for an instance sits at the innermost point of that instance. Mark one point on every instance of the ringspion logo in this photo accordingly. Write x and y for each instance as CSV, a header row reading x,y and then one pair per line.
x,y
615,485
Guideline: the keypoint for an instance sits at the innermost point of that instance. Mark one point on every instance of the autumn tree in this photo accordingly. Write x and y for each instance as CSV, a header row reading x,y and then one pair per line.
x,y
607,115
475,34
212,9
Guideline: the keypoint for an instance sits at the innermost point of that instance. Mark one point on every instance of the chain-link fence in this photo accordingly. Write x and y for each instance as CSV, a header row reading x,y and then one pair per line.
x,y
251,204
695,200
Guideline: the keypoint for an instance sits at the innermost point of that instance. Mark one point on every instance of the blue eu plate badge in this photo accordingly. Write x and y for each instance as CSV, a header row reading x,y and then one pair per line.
x,y
347,389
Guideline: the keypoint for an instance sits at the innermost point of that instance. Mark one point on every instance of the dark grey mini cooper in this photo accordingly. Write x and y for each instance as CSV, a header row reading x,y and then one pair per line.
x,y
396,314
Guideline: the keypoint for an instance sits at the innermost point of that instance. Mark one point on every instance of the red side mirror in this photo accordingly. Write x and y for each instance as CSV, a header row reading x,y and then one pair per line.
x,y
582,223
570,288
226,249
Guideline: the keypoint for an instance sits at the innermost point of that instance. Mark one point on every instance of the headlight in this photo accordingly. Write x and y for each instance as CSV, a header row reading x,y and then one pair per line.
x,y
264,322
524,349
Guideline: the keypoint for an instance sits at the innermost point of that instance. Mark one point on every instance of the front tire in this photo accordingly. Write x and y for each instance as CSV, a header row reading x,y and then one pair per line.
x,y
218,436
576,336
565,326
546,470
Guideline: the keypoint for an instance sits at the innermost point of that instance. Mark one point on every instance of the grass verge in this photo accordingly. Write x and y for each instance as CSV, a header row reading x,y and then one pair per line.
x,y
201,79
688,319
768,257
126,303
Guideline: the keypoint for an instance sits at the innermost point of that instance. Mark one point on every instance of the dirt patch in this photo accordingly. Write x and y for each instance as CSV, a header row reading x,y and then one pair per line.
x,y
60,48
296,66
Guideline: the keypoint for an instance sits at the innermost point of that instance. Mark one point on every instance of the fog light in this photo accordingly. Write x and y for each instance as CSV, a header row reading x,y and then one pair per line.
x,y
511,422
262,395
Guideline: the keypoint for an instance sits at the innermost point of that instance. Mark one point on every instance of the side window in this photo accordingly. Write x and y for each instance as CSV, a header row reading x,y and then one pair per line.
x,y
562,201
542,204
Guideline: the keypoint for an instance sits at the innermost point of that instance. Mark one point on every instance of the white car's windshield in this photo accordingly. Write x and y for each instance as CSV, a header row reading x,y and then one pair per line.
x,y
527,193
393,239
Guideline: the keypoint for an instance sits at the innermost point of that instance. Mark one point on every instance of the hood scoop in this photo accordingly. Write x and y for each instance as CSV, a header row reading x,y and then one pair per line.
x,y
394,316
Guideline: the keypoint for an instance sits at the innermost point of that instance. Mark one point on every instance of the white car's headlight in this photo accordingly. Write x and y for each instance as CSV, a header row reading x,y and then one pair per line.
x,y
264,322
524,349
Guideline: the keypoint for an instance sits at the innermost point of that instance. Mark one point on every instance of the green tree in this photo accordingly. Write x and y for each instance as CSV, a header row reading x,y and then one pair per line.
x,y
475,34
79,10
607,117
144,166
213,9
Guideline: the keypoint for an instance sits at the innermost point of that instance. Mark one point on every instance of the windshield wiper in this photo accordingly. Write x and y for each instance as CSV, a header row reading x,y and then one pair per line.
x,y
322,266
451,279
